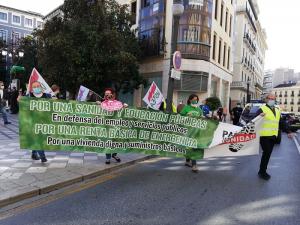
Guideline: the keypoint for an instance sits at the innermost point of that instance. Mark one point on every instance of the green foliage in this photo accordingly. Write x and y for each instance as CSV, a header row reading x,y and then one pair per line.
x,y
28,45
92,45
213,103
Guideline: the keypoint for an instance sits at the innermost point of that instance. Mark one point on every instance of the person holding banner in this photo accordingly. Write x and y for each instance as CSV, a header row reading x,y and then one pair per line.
x,y
192,109
268,133
111,104
36,90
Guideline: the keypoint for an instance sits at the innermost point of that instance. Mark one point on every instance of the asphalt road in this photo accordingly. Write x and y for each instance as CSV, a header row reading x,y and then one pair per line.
x,y
226,191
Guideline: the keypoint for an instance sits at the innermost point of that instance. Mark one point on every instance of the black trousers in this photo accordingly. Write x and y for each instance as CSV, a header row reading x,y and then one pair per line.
x,y
267,144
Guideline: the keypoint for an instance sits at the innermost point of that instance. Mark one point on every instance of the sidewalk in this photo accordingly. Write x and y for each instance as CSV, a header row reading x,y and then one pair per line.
x,y
21,177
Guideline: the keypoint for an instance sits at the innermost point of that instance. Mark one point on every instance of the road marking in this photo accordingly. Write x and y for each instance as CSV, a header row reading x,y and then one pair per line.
x,y
297,144
56,196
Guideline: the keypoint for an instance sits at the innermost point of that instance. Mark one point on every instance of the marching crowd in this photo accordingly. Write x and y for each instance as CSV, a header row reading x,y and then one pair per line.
x,y
192,108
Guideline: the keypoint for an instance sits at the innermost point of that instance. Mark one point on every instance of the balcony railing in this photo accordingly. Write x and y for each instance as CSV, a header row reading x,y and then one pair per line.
x,y
285,103
280,95
285,95
242,85
191,50
291,103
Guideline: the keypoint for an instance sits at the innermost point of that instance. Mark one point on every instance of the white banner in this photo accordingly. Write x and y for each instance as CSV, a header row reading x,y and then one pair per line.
x,y
36,77
82,94
154,97
245,142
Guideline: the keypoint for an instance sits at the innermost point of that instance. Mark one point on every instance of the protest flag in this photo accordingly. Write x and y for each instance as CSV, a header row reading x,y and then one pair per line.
x,y
36,77
153,97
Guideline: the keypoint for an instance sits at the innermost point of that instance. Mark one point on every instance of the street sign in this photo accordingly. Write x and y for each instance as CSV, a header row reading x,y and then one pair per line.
x,y
177,60
176,74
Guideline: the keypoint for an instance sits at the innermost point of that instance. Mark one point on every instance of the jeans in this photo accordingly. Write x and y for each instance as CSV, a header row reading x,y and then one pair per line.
x,y
41,153
194,162
4,113
108,156
267,144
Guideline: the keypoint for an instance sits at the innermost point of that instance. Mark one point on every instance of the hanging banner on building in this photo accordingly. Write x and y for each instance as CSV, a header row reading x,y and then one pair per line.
x,y
154,97
80,126
36,77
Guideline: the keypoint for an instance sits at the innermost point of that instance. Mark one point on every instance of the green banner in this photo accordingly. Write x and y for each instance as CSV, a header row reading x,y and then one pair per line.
x,y
47,124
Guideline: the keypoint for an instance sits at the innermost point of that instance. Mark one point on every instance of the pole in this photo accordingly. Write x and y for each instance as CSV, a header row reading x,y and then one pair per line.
x,y
173,49
248,94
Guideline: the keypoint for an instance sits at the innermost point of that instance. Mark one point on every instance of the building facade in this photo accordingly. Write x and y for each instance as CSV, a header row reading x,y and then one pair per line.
x,y
268,82
288,97
204,39
249,53
14,25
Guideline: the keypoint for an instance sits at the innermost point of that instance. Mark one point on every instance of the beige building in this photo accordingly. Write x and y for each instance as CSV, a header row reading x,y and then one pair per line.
x,y
288,97
204,40
249,54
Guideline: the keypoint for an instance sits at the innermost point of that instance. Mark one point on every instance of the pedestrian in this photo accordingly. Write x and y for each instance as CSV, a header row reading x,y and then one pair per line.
x,y
56,90
220,114
36,91
205,109
192,109
3,99
236,113
14,107
225,111
269,132
110,100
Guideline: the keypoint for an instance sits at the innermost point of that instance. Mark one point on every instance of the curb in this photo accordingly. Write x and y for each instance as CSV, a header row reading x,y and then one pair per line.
x,y
30,192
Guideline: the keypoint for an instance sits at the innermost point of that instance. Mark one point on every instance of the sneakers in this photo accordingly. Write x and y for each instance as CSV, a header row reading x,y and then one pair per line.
x,y
35,157
195,169
264,175
117,159
6,123
188,164
107,161
44,160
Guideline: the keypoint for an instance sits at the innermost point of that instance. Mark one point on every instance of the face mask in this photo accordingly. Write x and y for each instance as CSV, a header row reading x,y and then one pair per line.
x,y
238,105
2,87
194,102
271,103
37,91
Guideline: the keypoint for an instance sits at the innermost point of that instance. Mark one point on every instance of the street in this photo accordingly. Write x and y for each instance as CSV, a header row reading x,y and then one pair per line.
x,y
226,191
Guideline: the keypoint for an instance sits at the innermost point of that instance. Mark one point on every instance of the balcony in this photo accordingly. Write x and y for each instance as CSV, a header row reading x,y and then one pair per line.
x,y
250,43
298,103
242,85
291,103
285,95
259,86
194,50
280,95
285,103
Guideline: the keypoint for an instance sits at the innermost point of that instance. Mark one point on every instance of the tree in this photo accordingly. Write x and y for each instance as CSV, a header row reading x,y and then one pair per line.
x,y
28,45
91,45
213,103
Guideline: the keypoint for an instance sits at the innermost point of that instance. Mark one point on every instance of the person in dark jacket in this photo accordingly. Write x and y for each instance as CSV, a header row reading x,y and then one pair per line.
x,y
3,99
236,113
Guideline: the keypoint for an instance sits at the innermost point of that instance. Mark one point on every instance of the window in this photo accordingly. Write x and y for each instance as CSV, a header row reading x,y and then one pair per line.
x,y
226,21
230,25
220,50
3,16
16,19
221,17
214,47
145,3
216,9
15,38
3,35
224,54
28,22
39,24
228,58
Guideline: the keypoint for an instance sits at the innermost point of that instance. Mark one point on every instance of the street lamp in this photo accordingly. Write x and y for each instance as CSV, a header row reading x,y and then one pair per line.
x,y
248,93
177,10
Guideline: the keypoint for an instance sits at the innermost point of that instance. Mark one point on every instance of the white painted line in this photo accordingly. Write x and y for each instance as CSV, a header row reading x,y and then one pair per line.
x,y
297,144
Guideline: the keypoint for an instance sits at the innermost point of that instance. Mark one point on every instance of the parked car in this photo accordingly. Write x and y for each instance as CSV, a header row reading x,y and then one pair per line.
x,y
250,112
290,120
